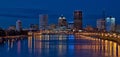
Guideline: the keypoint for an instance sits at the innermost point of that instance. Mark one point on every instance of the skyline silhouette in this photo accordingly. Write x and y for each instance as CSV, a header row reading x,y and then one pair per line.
x,y
28,11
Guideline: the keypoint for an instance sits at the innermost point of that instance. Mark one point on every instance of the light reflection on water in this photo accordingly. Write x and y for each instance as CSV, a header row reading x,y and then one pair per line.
x,y
59,46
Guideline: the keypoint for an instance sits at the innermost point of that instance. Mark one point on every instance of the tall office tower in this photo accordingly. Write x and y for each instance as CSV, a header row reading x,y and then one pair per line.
x,y
43,21
110,24
18,25
62,21
78,20
101,25
104,23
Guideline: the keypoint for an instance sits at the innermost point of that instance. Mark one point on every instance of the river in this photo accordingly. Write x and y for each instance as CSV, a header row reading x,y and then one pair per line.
x,y
59,46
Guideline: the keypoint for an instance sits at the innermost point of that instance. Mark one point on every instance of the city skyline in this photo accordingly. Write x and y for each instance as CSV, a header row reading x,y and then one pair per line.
x,y
29,10
72,20
59,28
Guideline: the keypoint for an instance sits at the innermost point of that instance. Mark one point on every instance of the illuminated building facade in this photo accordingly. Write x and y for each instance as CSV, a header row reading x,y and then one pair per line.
x,y
18,25
43,21
101,25
78,20
110,24
62,22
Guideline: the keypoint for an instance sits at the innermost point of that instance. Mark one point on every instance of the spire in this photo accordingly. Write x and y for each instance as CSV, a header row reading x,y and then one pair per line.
x,y
62,17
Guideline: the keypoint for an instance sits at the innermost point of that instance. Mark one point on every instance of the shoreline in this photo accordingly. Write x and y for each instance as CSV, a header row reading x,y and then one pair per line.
x,y
117,40
13,37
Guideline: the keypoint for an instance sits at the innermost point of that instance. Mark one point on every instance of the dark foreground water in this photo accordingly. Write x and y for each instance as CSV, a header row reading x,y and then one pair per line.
x,y
59,46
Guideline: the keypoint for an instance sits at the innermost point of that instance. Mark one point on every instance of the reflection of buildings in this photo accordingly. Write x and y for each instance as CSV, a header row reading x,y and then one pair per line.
x,y
110,24
101,25
19,46
119,50
43,21
18,25
47,37
34,45
92,46
30,42
47,47
78,20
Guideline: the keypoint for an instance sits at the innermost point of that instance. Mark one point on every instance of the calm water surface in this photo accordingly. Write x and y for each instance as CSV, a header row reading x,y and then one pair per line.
x,y
59,46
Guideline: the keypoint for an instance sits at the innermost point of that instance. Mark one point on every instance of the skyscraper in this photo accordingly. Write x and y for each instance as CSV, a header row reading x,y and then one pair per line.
x,y
43,21
62,21
110,24
18,25
78,20
101,25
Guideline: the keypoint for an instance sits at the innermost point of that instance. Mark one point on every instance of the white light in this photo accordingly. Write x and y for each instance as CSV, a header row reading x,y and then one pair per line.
x,y
108,19
113,20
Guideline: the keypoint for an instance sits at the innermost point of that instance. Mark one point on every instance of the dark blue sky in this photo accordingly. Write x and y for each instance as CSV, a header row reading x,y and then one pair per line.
x,y
28,10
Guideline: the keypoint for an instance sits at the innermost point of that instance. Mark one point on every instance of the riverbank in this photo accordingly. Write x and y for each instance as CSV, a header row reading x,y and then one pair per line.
x,y
17,37
13,37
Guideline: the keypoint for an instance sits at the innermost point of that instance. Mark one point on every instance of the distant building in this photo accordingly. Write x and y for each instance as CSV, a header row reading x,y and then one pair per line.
x,y
12,28
101,25
62,22
70,25
78,20
89,28
117,29
43,21
18,25
34,26
110,24
52,27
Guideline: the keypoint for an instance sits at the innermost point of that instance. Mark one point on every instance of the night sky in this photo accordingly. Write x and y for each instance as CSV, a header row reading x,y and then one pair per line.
x,y
28,10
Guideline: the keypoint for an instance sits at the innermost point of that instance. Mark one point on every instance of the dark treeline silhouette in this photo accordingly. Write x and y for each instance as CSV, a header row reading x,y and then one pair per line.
x,y
2,32
12,32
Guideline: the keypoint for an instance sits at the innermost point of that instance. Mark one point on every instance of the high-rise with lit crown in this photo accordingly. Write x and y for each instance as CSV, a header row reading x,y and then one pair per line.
x,y
110,24
62,21
78,20
43,21
18,25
